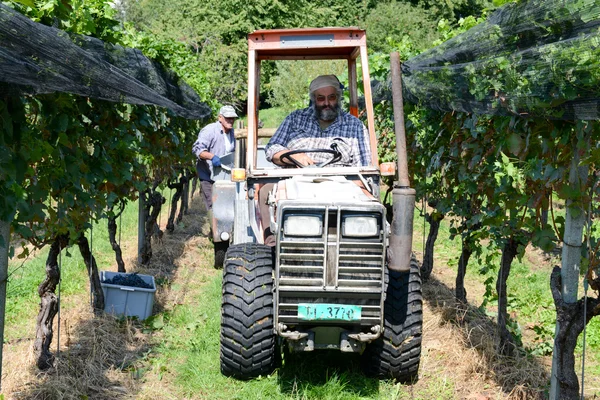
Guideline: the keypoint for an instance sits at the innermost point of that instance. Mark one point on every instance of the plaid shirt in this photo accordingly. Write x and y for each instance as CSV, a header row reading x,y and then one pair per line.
x,y
301,130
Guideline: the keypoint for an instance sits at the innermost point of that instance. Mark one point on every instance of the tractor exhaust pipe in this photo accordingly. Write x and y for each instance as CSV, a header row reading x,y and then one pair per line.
x,y
403,196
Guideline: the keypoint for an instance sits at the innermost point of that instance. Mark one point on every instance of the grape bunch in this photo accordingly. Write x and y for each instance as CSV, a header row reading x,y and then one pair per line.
x,y
128,280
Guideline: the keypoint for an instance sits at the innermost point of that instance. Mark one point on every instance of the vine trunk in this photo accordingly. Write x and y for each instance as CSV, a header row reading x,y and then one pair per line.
x,y
434,220
509,252
572,319
153,205
48,305
92,270
112,237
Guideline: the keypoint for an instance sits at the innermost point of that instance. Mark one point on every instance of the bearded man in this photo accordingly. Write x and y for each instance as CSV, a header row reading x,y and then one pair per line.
x,y
319,125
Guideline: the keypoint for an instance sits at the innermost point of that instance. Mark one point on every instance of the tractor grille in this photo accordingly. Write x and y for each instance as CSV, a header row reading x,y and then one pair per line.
x,y
349,266
360,265
302,264
327,270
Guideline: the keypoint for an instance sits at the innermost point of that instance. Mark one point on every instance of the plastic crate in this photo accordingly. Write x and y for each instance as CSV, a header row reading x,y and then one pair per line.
x,y
127,300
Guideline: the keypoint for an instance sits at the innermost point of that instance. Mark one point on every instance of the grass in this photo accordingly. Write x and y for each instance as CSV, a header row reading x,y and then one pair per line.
x,y
190,347
272,117
530,301
175,353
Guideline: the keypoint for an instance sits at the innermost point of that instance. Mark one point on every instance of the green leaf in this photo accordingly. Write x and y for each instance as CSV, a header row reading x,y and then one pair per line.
x,y
155,322
48,6
28,3
515,143
63,122
63,139
20,167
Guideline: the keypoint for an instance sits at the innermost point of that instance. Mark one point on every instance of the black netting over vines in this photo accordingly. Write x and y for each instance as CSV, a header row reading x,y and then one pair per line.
x,y
531,58
36,58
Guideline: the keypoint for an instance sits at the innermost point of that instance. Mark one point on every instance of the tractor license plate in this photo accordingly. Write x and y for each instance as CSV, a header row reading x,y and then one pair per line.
x,y
328,312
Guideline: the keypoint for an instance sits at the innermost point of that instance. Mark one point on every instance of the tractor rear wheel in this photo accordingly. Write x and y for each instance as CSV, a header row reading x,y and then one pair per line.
x,y
248,342
396,354
220,249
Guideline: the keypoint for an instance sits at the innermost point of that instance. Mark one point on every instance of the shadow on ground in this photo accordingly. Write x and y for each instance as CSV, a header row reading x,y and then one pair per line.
x,y
520,376
305,374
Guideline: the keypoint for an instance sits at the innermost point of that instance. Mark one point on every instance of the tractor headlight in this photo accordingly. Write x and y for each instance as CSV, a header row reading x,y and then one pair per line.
x,y
303,225
360,226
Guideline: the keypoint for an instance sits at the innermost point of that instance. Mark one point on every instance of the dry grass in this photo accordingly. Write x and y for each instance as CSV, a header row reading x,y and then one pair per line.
x,y
461,343
94,352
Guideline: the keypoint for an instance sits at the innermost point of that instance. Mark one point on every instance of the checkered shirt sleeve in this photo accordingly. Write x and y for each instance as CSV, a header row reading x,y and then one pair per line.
x,y
301,130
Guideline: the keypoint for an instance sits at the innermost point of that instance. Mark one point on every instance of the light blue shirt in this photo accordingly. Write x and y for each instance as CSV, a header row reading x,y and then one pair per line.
x,y
213,139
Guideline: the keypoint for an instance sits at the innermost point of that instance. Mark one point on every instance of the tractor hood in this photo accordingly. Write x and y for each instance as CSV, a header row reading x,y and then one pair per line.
x,y
320,188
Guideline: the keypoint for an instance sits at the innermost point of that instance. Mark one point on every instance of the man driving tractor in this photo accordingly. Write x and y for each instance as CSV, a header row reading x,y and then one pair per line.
x,y
322,125
318,126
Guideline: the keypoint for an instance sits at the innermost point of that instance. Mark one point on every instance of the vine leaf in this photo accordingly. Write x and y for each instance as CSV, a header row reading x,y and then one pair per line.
x,y
28,3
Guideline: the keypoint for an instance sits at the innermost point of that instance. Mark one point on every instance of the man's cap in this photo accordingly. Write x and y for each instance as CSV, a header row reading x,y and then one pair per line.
x,y
228,112
324,81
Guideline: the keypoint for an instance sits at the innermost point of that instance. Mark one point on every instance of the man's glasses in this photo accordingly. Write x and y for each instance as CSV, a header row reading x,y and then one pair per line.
x,y
331,97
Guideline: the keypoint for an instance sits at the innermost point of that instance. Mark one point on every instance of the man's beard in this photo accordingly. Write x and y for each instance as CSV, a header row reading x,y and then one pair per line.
x,y
328,114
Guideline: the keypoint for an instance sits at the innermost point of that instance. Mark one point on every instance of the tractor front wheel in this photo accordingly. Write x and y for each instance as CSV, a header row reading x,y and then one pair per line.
x,y
248,342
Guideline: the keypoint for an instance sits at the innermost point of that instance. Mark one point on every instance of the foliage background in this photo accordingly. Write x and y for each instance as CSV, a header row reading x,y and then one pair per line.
x,y
215,32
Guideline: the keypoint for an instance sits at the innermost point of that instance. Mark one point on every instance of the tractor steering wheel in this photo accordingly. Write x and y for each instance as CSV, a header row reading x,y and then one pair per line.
x,y
333,151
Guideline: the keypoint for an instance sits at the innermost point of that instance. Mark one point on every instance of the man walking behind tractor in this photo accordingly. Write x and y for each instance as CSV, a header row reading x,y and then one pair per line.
x,y
214,141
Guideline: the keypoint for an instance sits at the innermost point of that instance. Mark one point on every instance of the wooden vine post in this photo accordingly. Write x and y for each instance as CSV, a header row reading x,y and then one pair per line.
x,y
570,265
4,246
141,224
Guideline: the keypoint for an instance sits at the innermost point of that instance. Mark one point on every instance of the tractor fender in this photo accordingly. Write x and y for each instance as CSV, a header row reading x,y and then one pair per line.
x,y
222,215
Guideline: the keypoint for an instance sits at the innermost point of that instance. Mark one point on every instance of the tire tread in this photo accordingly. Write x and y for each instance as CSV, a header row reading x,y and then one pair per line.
x,y
248,345
396,354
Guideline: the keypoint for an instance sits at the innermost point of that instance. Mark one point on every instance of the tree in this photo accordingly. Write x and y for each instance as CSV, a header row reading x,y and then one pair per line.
x,y
216,31
389,22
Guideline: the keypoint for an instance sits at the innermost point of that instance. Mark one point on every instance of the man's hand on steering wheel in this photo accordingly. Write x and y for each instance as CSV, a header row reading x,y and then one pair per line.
x,y
300,159
303,159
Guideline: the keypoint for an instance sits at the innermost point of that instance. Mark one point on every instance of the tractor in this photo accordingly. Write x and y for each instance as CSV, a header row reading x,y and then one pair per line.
x,y
340,276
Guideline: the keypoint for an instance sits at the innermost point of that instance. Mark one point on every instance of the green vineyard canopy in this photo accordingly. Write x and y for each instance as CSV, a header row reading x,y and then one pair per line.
x,y
537,58
36,59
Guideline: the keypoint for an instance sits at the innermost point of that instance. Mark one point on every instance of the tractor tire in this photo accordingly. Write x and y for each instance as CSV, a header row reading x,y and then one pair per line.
x,y
396,354
220,249
248,342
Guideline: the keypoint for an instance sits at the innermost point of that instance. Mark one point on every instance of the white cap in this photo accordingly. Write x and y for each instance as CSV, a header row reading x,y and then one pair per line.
x,y
228,112
324,81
